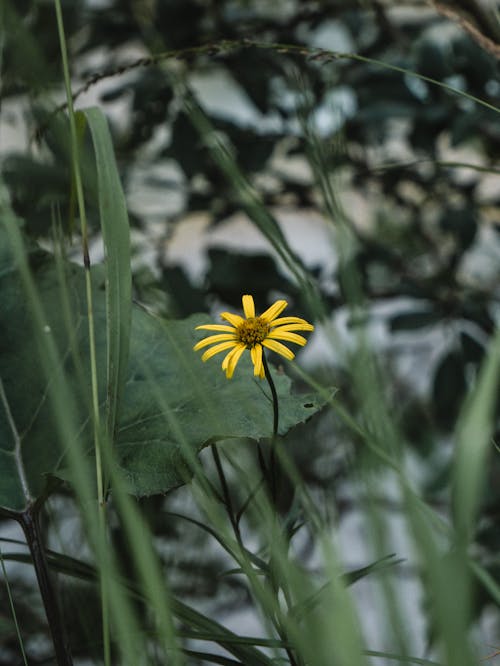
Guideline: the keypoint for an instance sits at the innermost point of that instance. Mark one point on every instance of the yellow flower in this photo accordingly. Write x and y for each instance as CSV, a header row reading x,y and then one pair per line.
x,y
253,333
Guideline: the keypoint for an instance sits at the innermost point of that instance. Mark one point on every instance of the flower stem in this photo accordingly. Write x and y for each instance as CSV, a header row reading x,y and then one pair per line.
x,y
29,521
276,416
276,410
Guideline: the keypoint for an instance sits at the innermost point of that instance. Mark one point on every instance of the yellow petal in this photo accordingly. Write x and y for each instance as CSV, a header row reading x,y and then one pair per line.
x,y
277,347
273,311
212,339
231,360
214,327
248,306
289,337
228,356
256,354
218,348
233,319
296,321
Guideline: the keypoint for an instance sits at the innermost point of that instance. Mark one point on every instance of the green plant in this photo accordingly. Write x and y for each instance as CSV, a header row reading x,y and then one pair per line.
x,y
106,407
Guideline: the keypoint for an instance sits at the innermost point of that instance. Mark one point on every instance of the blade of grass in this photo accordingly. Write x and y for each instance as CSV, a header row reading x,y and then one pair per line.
x,y
400,658
212,658
13,609
116,235
149,569
241,647
446,580
474,433
92,346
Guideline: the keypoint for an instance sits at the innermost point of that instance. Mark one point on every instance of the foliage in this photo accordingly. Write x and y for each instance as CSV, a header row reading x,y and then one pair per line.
x,y
171,407
382,117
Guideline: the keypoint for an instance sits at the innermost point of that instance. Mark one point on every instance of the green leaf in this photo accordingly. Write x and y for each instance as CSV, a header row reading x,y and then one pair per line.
x,y
173,404
116,234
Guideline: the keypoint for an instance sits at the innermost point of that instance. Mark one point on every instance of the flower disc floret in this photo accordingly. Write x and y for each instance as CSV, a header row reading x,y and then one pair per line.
x,y
253,333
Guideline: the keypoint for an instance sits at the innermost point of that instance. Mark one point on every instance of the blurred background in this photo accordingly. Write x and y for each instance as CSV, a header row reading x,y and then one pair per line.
x,y
362,137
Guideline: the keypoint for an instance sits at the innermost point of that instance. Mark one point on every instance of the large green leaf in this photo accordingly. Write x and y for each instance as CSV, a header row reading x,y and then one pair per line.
x,y
173,404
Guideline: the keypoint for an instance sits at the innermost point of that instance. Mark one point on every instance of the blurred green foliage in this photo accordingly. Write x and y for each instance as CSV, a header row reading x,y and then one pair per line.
x,y
418,157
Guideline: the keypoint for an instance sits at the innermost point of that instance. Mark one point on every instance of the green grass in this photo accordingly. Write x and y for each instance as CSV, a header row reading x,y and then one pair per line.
x,y
307,616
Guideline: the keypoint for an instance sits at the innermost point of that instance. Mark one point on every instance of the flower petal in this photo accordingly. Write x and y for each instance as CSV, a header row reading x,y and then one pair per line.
x,y
227,358
215,327
248,306
291,327
273,311
231,360
256,354
277,347
233,319
306,326
286,335
218,348
212,339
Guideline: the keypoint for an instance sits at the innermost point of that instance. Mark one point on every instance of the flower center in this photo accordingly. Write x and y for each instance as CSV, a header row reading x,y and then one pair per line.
x,y
252,331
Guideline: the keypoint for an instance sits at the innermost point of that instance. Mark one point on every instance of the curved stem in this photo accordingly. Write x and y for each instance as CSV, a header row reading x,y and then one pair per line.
x,y
29,521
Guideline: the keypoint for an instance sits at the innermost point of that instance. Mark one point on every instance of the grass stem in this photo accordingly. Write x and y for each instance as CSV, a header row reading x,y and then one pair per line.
x,y
30,523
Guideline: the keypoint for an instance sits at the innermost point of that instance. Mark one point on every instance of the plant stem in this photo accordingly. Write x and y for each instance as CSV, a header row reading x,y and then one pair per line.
x,y
276,415
29,521
250,497
274,480
226,494
270,381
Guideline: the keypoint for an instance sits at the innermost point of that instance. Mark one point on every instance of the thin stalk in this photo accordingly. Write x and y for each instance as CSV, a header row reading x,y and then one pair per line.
x,y
228,503
276,416
29,521
262,464
276,409
250,497
13,610
273,471
91,328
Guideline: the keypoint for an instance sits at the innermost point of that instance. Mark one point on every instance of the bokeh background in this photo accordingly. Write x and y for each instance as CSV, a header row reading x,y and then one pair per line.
x,y
368,133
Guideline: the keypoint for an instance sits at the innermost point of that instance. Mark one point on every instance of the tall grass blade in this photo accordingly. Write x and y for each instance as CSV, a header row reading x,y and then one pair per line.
x,y
116,234
13,609
474,432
